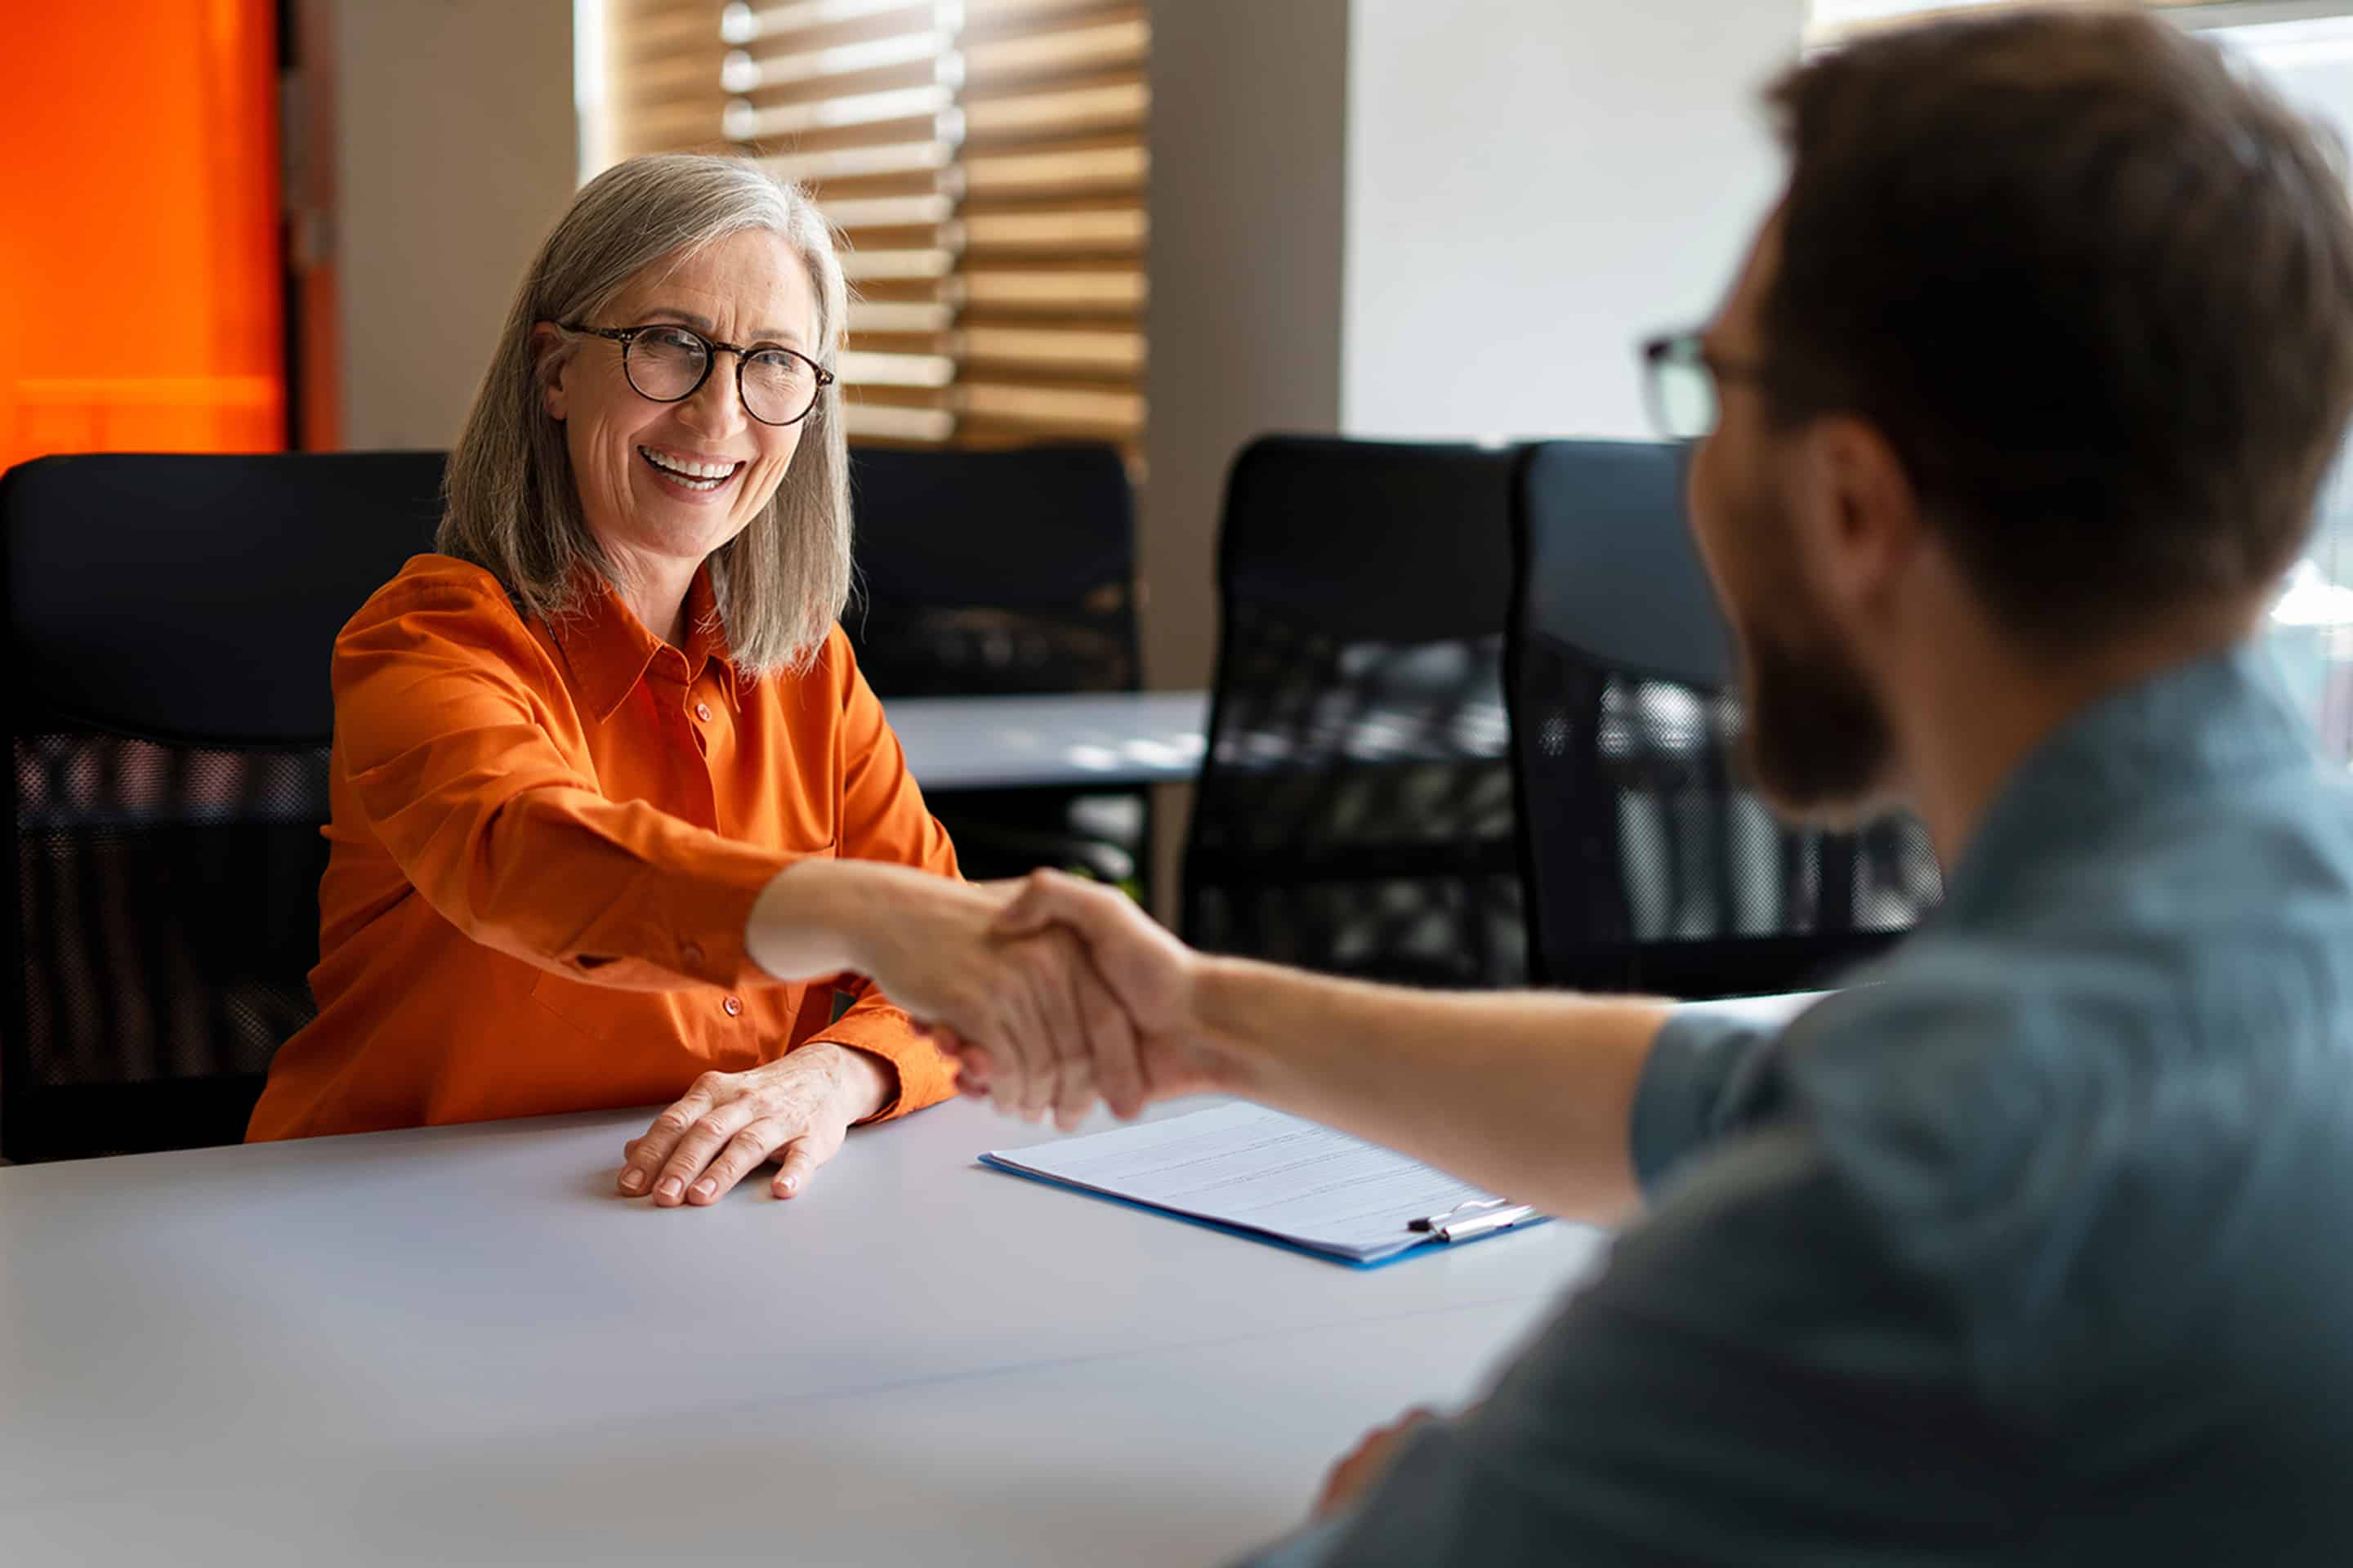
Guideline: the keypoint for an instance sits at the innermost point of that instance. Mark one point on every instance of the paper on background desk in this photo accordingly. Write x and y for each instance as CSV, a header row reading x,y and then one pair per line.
x,y
1273,1176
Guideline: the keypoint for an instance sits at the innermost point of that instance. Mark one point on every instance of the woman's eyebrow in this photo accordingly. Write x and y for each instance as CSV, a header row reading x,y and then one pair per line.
x,y
702,325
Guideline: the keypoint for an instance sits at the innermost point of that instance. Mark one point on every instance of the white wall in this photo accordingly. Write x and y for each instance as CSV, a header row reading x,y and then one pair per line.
x,y
1533,185
456,149
1247,133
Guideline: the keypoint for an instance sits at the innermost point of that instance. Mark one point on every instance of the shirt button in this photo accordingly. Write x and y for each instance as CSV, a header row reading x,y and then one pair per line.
x,y
691,952
735,1006
702,712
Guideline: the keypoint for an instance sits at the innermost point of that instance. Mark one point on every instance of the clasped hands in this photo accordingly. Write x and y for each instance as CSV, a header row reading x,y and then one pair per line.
x,y
1071,995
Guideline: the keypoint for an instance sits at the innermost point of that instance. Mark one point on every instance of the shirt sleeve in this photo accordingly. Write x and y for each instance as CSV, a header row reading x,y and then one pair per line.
x,y
1701,1072
447,732
1709,1398
883,818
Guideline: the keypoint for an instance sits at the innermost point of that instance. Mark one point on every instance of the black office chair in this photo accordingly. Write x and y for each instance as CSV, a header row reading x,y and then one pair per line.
x,y
1649,866
1003,571
1008,571
1354,810
170,621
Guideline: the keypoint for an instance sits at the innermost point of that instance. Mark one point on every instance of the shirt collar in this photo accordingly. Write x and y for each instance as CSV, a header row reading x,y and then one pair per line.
x,y
706,637
2198,731
609,650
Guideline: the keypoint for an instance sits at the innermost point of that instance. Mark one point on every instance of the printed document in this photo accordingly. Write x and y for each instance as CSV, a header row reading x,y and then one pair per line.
x,y
1260,1171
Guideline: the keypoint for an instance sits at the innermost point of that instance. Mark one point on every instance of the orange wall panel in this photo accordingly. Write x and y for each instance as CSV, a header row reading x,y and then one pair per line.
x,y
141,282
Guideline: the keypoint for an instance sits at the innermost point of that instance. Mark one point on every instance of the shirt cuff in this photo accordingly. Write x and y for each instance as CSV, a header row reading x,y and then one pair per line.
x,y
925,1077
1685,1092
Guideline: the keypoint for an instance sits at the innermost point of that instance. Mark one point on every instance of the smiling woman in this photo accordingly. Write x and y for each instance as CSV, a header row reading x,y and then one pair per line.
x,y
658,257
614,818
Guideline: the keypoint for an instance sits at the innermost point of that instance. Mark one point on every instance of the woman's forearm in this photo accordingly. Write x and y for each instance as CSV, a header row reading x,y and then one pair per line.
x,y
895,924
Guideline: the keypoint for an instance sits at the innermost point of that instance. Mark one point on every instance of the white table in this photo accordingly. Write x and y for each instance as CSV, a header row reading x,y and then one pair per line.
x,y
1064,741
455,1345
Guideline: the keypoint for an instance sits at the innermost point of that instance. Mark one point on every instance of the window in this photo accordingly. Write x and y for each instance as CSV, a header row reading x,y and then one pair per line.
x,y
1832,15
1828,20
2311,63
985,158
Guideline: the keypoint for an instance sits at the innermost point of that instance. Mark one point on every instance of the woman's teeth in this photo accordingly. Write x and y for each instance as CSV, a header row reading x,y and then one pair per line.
x,y
688,474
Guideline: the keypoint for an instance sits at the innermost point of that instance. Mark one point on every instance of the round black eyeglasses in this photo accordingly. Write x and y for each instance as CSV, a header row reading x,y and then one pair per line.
x,y
668,364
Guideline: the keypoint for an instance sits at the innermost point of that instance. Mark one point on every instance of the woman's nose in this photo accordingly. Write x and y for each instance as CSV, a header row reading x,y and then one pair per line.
x,y
717,408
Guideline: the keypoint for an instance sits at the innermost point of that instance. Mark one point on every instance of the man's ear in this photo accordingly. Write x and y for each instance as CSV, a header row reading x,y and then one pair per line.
x,y
548,363
1858,517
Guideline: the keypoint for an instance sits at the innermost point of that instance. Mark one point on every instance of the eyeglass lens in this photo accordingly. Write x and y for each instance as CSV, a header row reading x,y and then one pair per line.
x,y
667,364
1684,390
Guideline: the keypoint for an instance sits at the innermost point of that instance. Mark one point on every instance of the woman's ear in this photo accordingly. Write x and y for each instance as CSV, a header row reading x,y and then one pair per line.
x,y
548,363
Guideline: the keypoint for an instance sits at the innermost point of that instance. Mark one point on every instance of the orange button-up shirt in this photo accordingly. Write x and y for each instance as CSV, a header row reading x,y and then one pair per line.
x,y
545,844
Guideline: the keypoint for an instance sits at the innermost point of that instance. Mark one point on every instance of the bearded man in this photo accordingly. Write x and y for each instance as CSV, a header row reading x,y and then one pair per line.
x,y
2027,1247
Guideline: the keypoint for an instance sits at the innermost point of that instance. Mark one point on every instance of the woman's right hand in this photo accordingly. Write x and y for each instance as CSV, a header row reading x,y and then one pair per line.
x,y
930,944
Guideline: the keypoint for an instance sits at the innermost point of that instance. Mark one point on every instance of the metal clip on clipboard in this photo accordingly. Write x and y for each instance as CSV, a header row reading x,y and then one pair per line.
x,y
1490,1215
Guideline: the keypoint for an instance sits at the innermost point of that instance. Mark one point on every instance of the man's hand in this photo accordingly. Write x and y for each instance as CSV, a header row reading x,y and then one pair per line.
x,y
793,1111
1353,1476
1159,1053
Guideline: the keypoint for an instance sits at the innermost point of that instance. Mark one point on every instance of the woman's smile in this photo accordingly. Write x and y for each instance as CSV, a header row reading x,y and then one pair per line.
x,y
689,477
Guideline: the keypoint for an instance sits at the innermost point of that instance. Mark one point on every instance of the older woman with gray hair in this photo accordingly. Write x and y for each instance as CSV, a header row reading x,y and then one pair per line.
x,y
615,819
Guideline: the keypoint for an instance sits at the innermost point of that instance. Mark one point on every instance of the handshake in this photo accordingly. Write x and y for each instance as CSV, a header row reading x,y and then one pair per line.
x,y
1050,993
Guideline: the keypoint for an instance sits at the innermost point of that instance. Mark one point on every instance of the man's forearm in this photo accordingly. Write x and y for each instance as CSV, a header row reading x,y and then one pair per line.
x,y
1528,1093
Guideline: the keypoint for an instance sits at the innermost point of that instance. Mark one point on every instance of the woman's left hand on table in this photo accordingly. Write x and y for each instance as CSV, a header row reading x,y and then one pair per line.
x,y
793,1111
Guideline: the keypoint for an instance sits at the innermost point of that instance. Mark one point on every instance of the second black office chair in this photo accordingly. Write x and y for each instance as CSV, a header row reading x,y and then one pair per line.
x,y
1651,866
994,572
169,626
1353,813
1004,572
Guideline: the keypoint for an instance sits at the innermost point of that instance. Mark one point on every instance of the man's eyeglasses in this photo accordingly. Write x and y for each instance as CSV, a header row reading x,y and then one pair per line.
x,y
1680,379
670,364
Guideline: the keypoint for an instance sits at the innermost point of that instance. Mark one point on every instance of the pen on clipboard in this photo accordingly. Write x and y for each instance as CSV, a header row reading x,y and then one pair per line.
x,y
1493,1215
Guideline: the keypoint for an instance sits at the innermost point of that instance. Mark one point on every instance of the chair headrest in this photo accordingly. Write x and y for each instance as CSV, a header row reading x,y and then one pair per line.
x,y
196,599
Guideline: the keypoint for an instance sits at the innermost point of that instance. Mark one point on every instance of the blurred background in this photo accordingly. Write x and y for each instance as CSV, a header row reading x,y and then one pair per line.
x,y
256,224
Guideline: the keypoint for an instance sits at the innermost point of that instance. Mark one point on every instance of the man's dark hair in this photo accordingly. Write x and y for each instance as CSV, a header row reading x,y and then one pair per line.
x,y
2094,286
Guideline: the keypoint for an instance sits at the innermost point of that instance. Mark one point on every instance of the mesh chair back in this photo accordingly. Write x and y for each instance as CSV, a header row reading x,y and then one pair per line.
x,y
171,620
1651,866
1354,810
1010,571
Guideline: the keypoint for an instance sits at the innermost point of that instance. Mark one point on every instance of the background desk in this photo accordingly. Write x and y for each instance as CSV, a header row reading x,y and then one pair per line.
x,y
1070,741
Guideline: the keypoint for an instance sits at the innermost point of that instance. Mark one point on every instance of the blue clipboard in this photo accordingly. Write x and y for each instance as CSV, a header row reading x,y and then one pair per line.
x,y
1266,1238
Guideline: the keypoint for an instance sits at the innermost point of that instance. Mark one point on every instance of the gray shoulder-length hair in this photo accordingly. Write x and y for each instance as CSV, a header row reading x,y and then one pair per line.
x,y
513,505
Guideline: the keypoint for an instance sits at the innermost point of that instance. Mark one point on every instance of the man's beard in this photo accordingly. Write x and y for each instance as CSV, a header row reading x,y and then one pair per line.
x,y
1816,742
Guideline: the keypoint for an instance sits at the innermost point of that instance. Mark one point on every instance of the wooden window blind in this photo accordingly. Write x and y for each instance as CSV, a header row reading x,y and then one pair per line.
x,y
986,160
